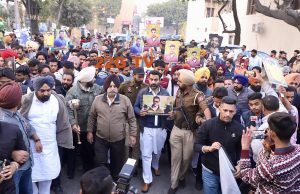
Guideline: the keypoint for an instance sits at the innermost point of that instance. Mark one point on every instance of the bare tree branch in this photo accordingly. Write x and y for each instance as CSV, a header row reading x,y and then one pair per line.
x,y
285,13
61,2
220,16
277,4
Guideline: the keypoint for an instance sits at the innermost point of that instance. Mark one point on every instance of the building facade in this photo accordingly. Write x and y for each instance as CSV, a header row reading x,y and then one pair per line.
x,y
257,31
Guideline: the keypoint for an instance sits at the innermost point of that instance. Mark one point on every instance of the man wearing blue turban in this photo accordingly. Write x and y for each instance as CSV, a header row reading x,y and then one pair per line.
x,y
46,112
240,92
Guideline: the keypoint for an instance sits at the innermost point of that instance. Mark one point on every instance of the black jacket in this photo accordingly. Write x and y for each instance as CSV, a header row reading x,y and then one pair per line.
x,y
212,110
227,134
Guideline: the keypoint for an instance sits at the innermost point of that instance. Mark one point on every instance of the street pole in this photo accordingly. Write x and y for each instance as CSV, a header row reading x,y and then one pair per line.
x,y
17,17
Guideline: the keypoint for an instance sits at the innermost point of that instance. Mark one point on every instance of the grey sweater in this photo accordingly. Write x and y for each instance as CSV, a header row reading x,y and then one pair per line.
x,y
86,99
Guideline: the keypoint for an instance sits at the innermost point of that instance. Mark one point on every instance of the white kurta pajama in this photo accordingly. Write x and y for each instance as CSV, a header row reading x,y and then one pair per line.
x,y
152,141
43,116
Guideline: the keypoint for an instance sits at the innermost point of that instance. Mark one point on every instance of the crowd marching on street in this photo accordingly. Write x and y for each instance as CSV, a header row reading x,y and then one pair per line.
x,y
58,107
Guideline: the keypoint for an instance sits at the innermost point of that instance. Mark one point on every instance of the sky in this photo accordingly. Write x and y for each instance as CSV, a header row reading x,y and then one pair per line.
x,y
142,4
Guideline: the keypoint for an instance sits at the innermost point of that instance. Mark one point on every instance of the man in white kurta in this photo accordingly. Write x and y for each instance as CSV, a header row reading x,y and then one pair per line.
x,y
153,134
43,115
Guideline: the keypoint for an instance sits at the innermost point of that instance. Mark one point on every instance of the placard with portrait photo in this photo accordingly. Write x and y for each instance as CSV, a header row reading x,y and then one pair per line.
x,y
215,41
157,105
171,51
153,35
193,57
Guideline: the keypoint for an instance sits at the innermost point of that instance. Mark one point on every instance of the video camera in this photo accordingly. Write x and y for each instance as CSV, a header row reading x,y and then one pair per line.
x,y
123,183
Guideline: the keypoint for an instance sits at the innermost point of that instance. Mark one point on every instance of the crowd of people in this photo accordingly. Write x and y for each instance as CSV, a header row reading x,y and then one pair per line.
x,y
56,107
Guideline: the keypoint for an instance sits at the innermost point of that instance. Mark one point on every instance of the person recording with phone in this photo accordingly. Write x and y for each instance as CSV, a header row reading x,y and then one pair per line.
x,y
278,172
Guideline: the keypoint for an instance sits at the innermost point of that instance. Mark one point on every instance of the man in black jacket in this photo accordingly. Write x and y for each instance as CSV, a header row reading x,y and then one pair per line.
x,y
214,133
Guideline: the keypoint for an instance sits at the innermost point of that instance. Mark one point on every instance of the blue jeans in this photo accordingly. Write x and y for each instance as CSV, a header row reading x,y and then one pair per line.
x,y
23,181
211,182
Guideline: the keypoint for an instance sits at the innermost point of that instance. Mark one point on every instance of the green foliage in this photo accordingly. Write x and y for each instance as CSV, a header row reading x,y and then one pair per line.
x,y
75,13
172,11
107,8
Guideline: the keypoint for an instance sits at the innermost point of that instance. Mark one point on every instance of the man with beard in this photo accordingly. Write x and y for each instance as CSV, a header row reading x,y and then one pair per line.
x,y
67,83
220,71
202,76
254,61
53,129
125,72
222,131
270,105
84,90
153,134
165,80
109,114
240,92
195,106
68,67
131,90
255,105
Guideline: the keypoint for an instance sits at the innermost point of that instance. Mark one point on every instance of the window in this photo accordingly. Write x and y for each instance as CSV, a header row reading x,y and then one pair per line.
x,y
210,12
251,7
230,39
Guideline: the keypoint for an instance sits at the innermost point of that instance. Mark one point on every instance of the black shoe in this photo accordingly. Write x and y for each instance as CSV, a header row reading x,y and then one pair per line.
x,y
181,184
58,190
194,170
172,191
199,185
135,173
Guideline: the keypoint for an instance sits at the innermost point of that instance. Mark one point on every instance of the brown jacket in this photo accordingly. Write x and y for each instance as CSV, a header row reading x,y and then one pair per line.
x,y
64,135
110,121
188,100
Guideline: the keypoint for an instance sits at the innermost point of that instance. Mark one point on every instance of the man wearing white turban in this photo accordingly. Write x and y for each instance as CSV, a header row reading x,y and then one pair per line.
x,y
192,110
84,90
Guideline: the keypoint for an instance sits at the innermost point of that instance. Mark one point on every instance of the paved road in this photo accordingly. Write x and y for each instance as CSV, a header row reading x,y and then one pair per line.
x,y
160,184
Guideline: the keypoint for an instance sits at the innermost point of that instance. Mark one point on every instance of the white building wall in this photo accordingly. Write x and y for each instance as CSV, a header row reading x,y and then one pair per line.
x,y
277,34
195,18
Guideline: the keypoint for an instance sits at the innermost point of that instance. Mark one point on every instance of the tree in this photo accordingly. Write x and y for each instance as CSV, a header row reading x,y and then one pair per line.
x,y
33,9
285,11
237,30
75,13
107,9
174,12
